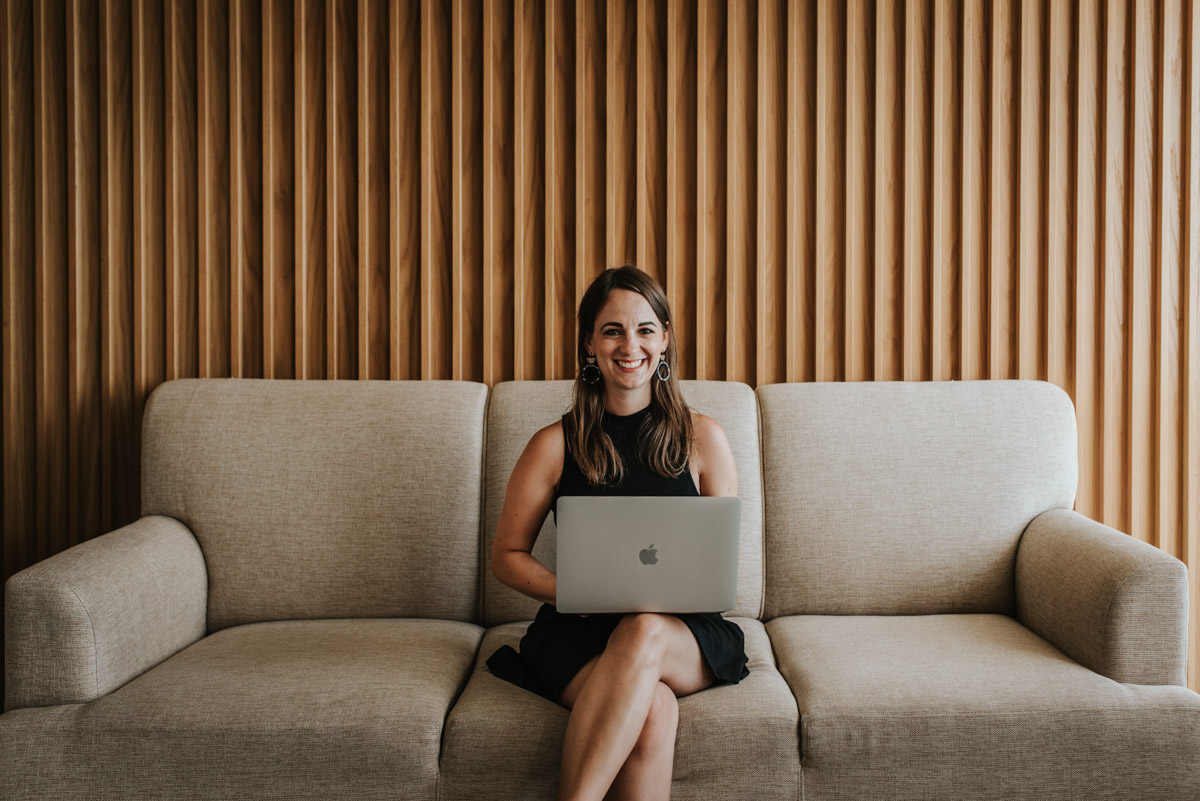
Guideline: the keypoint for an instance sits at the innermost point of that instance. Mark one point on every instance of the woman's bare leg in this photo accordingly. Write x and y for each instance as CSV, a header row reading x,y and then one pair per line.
x,y
646,774
612,697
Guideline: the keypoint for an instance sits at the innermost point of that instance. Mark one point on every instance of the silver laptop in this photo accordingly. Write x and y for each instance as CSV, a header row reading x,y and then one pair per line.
x,y
653,554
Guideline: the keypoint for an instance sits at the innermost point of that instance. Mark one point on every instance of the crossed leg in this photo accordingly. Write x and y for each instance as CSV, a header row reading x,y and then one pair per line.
x,y
621,734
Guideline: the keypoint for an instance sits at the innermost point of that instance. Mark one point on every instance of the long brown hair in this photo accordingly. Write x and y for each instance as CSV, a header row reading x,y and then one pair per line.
x,y
664,440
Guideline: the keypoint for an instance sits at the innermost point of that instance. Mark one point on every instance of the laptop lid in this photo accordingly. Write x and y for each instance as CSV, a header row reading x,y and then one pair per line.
x,y
647,554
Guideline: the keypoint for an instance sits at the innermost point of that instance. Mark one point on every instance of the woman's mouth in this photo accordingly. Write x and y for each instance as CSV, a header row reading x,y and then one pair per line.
x,y
630,366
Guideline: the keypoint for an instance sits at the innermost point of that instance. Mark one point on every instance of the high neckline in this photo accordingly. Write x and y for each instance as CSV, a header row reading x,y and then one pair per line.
x,y
624,420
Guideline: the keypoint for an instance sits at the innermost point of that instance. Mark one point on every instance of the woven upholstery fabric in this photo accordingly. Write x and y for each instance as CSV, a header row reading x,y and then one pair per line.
x,y
907,498
734,742
979,707
85,621
320,499
288,710
1112,603
518,409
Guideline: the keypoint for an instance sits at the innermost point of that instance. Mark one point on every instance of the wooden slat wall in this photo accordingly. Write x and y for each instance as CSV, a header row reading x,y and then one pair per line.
x,y
423,189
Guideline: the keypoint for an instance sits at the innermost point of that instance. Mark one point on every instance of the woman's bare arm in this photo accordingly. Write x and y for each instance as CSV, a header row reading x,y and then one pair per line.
x,y
526,502
713,458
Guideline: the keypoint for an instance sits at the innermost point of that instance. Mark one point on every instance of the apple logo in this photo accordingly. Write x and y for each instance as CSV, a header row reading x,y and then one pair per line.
x,y
647,555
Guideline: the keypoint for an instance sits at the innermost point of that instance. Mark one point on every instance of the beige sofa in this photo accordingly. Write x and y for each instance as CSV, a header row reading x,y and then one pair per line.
x,y
305,608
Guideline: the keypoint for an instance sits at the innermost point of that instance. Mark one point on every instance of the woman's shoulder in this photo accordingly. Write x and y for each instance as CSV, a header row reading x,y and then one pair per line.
x,y
545,450
712,455
706,430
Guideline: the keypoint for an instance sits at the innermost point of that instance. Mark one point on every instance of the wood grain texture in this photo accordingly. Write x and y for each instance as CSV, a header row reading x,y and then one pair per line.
x,y
859,193
1002,354
246,111
404,187
711,156
975,174
946,267
590,149
436,222
341,208
888,309
119,425
918,81
279,241
561,165
213,184
182,348
1191,469
499,204
48,182
651,111
1060,197
374,284
18,249
829,286
680,156
740,297
83,266
530,242
620,132
1031,176
770,273
466,300
311,223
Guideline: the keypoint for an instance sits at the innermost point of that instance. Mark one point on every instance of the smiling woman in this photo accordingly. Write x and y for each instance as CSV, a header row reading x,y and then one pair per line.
x,y
628,432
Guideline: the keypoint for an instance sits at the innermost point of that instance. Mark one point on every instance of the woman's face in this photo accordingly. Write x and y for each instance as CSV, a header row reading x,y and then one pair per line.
x,y
627,340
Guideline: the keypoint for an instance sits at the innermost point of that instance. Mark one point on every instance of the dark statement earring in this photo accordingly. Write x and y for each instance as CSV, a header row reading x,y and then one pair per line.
x,y
591,372
661,364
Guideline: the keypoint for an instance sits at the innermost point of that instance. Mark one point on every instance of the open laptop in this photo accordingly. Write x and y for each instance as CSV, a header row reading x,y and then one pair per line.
x,y
651,554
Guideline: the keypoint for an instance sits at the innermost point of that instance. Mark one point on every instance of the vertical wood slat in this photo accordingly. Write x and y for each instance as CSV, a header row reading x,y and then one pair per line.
x,y
710,189
859,247
830,266
48,183
771,201
889,259
1060,199
18,249
246,112
466,297
310,189
561,269
374,284
279,206
1114,319
404,187
742,43
1169,300
341,207
681,236
530,242
1191,467
120,472
213,186
620,136
1002,355
1144,263
975,211
1089,221
435,189
83,260
590,151
1031,221
652,141
499,203
945,244
918,78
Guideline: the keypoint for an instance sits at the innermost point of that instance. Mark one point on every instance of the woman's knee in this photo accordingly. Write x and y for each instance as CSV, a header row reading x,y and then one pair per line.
x,y
662,722
639,638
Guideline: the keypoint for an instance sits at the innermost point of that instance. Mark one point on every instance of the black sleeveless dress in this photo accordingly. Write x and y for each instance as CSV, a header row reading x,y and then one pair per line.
x,y
556,646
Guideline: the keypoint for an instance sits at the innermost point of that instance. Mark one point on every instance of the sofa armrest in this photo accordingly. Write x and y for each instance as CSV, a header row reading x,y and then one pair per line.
x,y
1112,603
85,621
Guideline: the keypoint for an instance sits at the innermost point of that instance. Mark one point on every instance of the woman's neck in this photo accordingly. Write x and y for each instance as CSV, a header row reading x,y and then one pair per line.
x,y
623,404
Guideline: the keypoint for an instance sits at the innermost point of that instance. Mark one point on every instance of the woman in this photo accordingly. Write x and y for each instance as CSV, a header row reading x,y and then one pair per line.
x,y
628,432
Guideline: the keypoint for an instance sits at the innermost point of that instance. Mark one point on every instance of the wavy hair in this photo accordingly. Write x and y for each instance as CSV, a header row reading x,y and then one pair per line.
x,y
664,440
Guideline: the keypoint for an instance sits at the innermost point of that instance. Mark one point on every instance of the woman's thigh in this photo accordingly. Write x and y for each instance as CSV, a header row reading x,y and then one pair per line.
x,y
683,667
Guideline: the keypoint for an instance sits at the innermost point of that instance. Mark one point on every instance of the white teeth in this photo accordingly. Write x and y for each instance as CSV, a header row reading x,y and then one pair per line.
x,y
630,365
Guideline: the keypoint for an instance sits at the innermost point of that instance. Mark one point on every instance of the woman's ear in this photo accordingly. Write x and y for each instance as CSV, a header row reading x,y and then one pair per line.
x,y
587,345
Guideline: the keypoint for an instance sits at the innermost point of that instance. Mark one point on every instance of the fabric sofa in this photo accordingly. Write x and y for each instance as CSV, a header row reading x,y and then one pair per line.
x,y
305,608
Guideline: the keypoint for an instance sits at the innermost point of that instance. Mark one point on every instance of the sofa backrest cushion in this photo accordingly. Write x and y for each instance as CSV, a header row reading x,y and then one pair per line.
x,y
907,498
517,410
323,499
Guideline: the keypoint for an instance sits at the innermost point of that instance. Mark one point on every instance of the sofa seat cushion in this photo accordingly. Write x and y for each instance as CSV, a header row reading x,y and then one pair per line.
x,y
301,709
975,706
736,741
